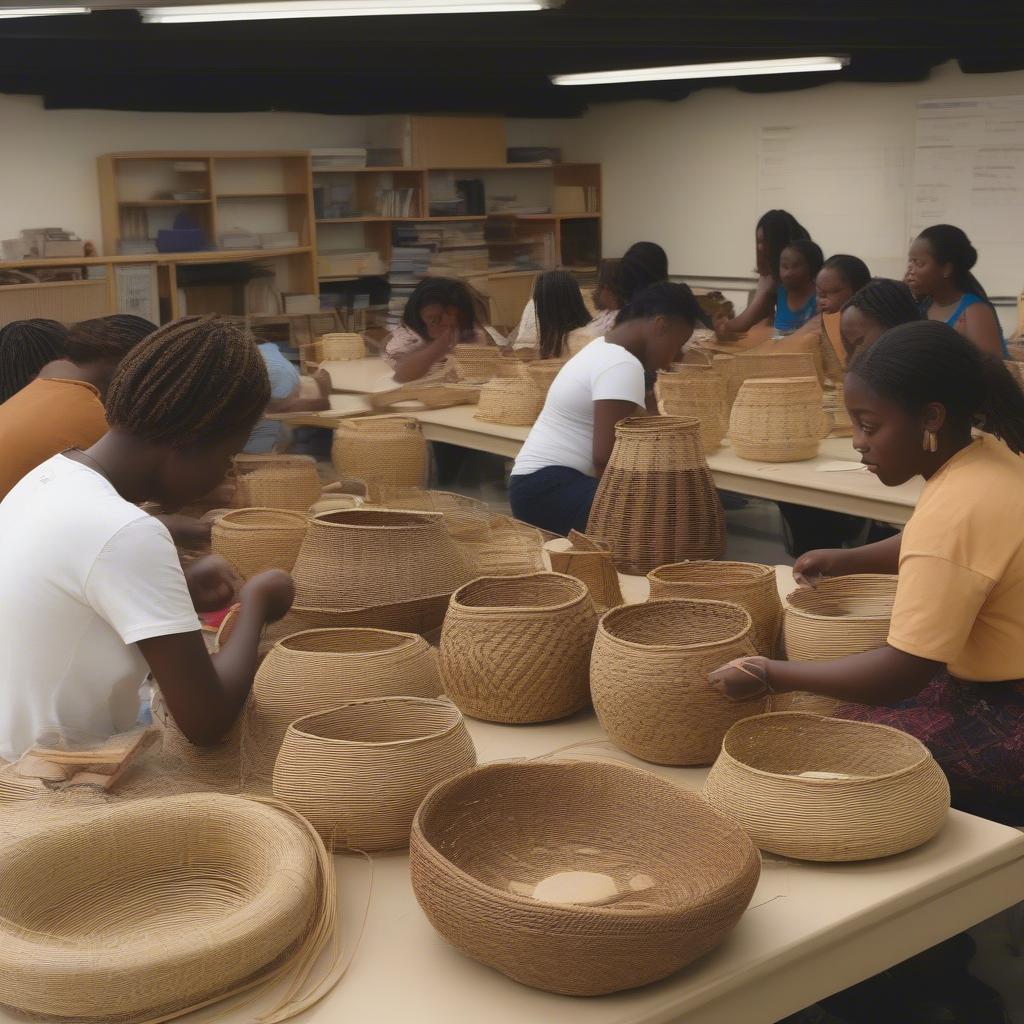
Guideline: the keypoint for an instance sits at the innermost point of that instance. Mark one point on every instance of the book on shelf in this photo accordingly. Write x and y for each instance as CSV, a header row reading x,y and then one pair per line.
x,y
349,263
396,202
338,159
331,201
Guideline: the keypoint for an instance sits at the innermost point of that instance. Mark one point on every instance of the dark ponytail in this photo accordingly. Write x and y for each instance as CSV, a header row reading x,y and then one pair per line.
x,y
779,228
852,269
560,310
949,244
665,299
889,302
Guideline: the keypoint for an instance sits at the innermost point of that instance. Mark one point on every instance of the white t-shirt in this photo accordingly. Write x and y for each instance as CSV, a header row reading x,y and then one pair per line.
x,y
84,575
564,432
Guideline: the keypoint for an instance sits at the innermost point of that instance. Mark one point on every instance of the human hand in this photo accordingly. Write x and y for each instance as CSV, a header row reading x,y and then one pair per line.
x,y
187,532
273,591
212,583
742,678
811,568
323,381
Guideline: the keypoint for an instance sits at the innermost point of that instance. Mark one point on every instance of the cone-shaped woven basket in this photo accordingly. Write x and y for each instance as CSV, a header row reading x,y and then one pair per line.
x,y
656,502
516,649
777,419
256,539
754,365
748,584
702,395
649,677
276,481
342,347
482,841
895,798
476,363
382,451
358,772
319,669
356,558
589,561
514,402
543,373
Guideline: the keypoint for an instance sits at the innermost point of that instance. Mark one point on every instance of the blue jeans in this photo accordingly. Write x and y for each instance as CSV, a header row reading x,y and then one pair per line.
x,y
555,498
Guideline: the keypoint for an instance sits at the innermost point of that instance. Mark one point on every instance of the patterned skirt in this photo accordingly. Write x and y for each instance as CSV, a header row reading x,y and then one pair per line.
x,y
976,733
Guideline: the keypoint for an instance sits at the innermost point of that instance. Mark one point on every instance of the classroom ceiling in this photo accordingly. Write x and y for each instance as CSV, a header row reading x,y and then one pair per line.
x,y
495,63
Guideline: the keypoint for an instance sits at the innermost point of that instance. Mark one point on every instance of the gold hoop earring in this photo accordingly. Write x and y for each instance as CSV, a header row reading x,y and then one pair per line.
x,y
930,442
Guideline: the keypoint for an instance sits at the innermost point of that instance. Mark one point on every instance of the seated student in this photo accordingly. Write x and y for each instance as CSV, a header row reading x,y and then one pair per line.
x,y
26,346
882,303
642,264
939,272
796,299
839,278
558,468
566,319
93,594
952,672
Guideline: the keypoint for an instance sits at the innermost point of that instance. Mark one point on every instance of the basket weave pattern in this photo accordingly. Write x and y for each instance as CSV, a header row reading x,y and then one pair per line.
x,y
591,562
256,539
476,363
382,451
777,419
543,373
339,346
702,395
755,365
276,481
515,402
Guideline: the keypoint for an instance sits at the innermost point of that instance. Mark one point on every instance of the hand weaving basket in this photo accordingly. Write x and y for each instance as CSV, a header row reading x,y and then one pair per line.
x,y
341,347
514,402
649,678
483,840
256,539
358,772
896,796
516,649
747,584
590,561
656,502
382,451
777,419
476,363
701,395
276,481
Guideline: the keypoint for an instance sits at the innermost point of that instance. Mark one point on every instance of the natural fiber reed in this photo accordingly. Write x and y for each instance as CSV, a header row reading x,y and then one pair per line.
x,y
256,539
382,451
777,419
358,772
649,677
896,799
748,584
466,519
590,561
702,395
756,365
513,824
1016,369
543,373
276,481
476,363
516,649
726,367
511,549
656,502
334,347
514,402
835,408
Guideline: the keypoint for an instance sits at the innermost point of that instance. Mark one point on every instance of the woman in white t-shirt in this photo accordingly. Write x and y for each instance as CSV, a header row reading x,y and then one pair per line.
x,y
93,594
556,474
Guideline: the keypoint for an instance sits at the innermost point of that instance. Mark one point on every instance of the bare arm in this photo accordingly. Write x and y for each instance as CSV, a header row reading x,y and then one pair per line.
x,y
295,402
762,305
982,327
881,557
414,365
607,413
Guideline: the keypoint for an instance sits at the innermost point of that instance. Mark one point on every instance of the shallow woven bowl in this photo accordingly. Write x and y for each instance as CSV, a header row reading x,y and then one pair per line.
x,y
898,799
649,677
516,649
519,822
358,772
256,539
147,907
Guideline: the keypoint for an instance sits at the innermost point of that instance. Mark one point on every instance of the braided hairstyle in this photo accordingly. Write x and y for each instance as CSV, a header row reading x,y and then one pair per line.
x,y
26,346
106,338
663,299
928,361
853,270
193,381
889,302
560,309
950,244
779,228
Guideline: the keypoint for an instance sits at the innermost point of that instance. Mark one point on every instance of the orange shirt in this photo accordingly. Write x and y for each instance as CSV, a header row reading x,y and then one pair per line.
x,y
42,419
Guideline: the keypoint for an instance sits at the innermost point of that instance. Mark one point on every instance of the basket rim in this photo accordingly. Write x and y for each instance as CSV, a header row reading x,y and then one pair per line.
x,y
442,703
403,640
808,614
361,423
626,609
759,574
760,381
228,519
643,424
581,593
417,520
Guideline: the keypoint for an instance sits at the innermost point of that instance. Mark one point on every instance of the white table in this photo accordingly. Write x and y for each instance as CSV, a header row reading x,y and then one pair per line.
x,y
360,376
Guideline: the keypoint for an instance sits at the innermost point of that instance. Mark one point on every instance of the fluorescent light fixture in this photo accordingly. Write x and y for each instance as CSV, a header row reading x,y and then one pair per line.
x,y
39,12
334,9
728,69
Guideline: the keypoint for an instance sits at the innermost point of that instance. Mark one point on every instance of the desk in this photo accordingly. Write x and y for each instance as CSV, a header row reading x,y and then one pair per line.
x,y
360,376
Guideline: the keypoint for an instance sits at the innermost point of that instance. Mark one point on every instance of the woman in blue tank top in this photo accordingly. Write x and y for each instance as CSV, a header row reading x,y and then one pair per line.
x,y
796,299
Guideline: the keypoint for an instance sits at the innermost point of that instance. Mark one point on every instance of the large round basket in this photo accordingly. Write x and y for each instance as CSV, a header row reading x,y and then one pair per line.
x,y
748,584
649,677
145,909
483,840
476,363
702,395
516,649
276,481
657,502
256,539
358,772
337,347
514,402
894,795
382,451
777,419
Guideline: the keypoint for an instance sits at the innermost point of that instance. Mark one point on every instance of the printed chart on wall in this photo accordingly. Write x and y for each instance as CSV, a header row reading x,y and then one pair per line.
x,y
969,171
846,183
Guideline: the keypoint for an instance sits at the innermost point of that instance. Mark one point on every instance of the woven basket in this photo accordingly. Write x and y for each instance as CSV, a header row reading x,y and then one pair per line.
x,y
726,366
382,451
747,584
543,373
483,839
649,677
656,502
756,365
511,549
777,419
590,561
340,347
476,363
514,402
143,910
276,481
897,800
702,395
835,407
516,649
256,539
358,772
466,519
357,558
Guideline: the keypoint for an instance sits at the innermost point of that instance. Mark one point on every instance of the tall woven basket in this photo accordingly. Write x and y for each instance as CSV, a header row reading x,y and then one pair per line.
x,y
358,772
276,481
702,395
256,539
338,347
748,584
382,451
683,873
516,649
590,561
513,401
649,677
777,419
656,502
891,796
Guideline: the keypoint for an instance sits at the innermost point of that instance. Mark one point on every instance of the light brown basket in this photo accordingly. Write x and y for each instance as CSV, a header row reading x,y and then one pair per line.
x,y
276,481
256,539
336,347
755,365
466,519
835,408
656,502
897,799
476,363
777,419
590,561
513,824
358,772
512,549
702,395
726,367
514,402
649,677
748,584
516,649
543,373
382,451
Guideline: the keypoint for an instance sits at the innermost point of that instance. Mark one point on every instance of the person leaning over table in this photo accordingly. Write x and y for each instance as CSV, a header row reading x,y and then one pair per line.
x,y
952,672
881,304
26,346
93,594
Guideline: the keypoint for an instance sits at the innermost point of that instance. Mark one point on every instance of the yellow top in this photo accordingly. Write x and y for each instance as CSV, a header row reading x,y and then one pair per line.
x,y
960,595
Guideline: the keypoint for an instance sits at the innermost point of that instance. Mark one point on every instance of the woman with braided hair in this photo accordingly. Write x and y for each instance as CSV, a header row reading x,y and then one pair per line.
x,y
26,346
871,311
93,593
